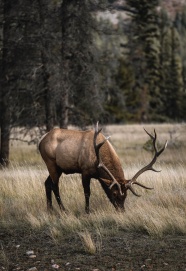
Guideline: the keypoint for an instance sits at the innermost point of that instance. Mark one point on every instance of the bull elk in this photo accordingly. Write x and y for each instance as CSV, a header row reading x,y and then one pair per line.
x,y
92,155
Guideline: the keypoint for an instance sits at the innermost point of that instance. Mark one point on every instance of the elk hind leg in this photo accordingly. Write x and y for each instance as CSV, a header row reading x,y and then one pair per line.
x,y
55,189
48,189
55,173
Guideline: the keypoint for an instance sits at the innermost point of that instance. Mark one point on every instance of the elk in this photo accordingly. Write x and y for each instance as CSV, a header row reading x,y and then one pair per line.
x,y
91,154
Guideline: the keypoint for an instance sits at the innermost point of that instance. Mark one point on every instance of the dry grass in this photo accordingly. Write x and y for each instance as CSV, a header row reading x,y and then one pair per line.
x,y
160,211
87,241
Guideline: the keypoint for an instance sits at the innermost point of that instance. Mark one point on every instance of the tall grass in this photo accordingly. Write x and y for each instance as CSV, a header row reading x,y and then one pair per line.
x,y
157,212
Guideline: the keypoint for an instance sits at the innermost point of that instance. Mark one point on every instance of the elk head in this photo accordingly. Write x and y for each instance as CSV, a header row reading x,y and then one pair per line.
x,y
118,188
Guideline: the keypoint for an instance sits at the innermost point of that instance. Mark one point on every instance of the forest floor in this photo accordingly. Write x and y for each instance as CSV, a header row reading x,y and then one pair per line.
x,y
123,251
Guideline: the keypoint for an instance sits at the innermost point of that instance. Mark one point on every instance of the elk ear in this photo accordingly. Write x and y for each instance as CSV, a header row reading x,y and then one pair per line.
x,y
106,181
119,187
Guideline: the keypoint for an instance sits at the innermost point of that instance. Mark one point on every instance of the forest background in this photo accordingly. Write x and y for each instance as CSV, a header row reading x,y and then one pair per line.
x,y
79,61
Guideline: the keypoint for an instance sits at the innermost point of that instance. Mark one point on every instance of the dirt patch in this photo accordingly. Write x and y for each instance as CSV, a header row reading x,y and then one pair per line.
x,y
124,251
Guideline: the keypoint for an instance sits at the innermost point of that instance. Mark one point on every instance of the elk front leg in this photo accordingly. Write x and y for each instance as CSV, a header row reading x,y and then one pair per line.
x,y
86,187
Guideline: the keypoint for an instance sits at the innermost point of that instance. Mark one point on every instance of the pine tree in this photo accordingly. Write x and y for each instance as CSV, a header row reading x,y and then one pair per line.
x,y
114,75
180,25
171,73
145,49
79,92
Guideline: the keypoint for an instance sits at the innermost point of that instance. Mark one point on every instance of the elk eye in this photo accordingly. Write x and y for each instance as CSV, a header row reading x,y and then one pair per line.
x,y
115,193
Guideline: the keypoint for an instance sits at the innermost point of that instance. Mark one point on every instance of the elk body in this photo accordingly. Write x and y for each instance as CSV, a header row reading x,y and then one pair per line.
x,y
92,155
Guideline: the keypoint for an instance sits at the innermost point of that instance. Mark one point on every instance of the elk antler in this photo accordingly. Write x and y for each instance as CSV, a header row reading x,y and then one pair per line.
x,y
100,163
148,167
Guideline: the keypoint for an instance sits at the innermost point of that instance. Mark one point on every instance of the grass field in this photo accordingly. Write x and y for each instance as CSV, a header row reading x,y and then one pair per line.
x,y
157,212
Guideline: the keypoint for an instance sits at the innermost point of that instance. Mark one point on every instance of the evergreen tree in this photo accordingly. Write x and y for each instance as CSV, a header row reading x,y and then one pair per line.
x,y
125,82
144,47
180,25
171,73
112,71
7,79
79,92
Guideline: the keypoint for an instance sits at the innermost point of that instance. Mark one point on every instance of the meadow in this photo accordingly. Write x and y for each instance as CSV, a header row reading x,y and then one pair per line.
x,y
157,213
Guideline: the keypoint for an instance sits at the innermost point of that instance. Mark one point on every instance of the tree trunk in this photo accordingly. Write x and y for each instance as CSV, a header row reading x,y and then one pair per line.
x,y
44,43
66,61
5,86
5,134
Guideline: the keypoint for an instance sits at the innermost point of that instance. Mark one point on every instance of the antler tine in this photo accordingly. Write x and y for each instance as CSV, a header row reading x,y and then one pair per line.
x,y
149,166
100,163
132,190
153,138
97,147
129,186
142,185
96,129
164,147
